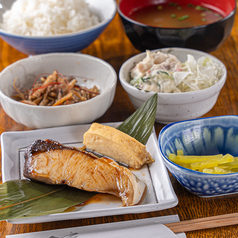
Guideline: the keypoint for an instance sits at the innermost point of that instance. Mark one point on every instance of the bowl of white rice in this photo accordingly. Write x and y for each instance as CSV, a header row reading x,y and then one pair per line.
x,y
46,26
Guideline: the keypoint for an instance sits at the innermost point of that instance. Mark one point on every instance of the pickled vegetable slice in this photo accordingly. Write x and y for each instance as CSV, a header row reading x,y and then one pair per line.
x,y
213,164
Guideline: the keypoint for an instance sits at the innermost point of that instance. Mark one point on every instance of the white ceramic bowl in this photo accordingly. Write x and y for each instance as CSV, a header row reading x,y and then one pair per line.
x,y
26,70
173,107
71,42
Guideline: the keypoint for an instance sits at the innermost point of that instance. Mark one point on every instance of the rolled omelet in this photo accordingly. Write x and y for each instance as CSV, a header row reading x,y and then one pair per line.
x,y
117,145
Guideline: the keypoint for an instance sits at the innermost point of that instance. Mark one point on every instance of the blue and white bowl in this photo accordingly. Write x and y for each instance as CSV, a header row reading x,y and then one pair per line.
x,y
205,136
71,42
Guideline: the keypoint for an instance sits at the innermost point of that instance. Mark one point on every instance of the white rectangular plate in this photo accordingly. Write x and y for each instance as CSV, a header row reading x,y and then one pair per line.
x,y
160,194
150,227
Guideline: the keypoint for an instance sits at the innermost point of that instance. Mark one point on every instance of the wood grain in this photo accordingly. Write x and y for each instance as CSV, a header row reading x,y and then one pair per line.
x,y
204,223
114,47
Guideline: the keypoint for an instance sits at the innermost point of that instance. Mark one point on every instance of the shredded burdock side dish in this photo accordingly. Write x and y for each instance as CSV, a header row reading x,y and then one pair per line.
x,y
55,90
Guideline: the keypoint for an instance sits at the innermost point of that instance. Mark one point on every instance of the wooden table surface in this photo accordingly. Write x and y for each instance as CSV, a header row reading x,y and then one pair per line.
x,y
114,47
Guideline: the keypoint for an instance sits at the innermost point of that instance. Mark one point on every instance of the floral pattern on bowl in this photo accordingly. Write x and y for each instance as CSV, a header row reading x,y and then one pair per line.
x,y
204,136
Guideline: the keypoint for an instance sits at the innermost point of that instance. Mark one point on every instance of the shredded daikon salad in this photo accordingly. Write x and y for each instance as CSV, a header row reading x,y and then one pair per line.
x,y
164,73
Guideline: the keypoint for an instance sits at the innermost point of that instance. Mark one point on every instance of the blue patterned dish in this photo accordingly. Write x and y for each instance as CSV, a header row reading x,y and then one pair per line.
x,y
71,42
204,136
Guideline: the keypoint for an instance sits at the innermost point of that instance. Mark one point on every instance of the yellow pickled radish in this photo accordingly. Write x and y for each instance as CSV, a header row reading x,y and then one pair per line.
x,y
215,164
212,162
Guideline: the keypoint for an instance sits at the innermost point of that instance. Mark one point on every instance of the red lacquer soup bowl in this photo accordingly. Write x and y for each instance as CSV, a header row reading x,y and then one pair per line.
x,y
206,36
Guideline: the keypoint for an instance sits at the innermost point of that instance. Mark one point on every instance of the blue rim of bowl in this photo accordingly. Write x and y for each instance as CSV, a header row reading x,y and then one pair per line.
x,y
77,33
172,94
170,28
62,106
164,157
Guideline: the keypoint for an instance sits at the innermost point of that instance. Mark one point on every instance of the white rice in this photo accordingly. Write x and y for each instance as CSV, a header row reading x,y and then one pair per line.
x,y
48,17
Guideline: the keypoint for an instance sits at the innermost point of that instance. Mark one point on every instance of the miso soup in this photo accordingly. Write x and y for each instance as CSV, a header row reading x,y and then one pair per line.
x,y
173,15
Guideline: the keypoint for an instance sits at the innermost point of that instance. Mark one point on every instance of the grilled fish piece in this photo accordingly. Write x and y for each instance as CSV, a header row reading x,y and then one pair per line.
x,y
117,145
53,163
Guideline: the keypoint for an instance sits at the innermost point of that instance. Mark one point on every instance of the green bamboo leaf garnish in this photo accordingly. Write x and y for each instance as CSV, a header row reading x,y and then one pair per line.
x,y
140,124
24,198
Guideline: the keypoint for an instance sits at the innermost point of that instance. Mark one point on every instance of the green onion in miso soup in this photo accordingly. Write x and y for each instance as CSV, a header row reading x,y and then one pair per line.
x,y
173,15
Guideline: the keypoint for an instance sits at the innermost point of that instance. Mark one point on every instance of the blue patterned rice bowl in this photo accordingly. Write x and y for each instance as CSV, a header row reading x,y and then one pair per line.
x,y
70,42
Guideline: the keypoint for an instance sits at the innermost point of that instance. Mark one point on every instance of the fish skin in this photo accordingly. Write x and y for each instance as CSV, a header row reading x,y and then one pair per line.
x,y
50,162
